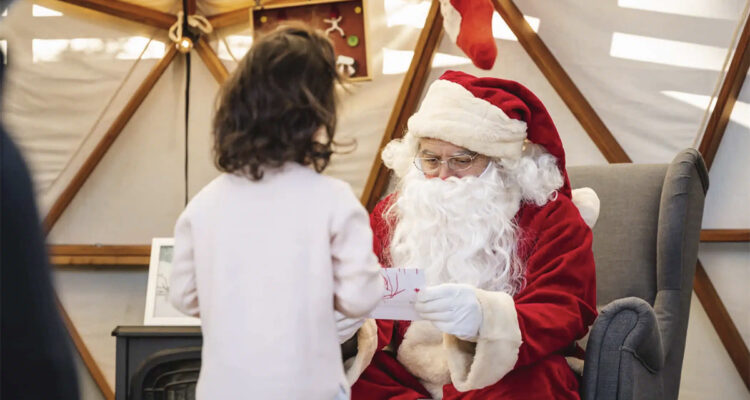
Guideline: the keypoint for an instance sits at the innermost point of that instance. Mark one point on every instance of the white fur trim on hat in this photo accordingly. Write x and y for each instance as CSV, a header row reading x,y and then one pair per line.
x,y
496,351
451,113
367,344
587,202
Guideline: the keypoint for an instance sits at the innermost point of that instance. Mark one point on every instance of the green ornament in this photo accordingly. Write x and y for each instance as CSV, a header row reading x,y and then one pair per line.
x,y
352,40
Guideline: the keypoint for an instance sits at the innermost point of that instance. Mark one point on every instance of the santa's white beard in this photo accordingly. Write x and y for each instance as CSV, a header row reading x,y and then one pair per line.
x,y
458,230
463,230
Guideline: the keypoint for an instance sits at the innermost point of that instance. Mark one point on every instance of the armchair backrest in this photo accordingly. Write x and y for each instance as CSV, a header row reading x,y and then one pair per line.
x,y
626,231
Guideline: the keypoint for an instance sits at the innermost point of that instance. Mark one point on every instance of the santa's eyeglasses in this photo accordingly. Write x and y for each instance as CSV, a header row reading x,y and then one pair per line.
x,y
430,165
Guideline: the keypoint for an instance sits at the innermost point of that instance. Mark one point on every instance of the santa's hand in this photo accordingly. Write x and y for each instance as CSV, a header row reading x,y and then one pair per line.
x,y
453,308
346,327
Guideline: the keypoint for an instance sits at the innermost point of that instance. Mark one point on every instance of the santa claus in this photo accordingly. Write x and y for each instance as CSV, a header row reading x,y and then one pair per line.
x,y
483,205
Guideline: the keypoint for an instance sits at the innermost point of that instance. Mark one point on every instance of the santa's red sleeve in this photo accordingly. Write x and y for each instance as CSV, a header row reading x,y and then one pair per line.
x,y
559,302
554,309
373,335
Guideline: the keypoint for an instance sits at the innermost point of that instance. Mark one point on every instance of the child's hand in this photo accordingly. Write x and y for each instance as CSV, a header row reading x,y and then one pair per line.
x,y
347,327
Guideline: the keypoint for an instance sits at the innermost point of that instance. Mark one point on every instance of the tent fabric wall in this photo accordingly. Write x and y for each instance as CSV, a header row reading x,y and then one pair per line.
x,y
96,302
648,69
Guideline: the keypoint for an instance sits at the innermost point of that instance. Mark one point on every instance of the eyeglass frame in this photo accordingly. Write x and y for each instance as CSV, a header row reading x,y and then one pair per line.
x,y
417,163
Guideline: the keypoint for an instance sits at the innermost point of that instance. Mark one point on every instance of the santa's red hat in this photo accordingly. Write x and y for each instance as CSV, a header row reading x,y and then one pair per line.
x,y
489,116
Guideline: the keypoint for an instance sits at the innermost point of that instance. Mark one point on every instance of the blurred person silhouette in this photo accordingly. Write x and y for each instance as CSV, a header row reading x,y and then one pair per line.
x,y
35,356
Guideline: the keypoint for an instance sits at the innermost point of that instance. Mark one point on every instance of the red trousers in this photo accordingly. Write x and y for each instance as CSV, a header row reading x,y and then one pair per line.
x,y
386,379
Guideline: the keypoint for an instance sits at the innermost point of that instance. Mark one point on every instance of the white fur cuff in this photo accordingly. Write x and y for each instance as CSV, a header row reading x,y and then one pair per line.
x,y
367,343
474,366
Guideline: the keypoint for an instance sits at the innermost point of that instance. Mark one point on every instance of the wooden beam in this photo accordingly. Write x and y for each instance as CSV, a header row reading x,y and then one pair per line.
x,y
128,11
406,102
100,257
704,289
725,235
99,250
106,141
728,93
83,351
230,18
212,61
723,324
191,8
100,262
559,79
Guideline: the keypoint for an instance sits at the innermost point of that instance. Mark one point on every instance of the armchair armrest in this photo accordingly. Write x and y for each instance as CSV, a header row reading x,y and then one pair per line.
x,y
624,353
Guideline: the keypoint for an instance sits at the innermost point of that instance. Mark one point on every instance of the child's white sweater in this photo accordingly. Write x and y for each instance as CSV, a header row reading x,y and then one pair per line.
x,y
264,264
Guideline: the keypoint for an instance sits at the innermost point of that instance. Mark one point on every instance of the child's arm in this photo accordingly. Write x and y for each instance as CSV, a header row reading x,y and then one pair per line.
x,y
358,284
183,292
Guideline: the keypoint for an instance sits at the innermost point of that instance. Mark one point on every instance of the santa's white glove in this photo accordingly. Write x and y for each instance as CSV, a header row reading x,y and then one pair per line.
x,y
347,327
453,308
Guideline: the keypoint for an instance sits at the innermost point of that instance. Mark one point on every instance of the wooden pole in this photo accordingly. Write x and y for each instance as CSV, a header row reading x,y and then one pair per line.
x,y
98,256
406,102
107,140
191,7
88,360
212,61
722,322
725,235
728,93
559,79
704,289
128,11
101,262
99,250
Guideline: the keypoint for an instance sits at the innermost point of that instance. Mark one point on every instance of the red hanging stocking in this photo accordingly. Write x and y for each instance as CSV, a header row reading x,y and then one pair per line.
x,y
469,25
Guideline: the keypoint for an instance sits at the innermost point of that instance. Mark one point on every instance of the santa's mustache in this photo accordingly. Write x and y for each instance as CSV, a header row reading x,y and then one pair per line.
x,y
459,230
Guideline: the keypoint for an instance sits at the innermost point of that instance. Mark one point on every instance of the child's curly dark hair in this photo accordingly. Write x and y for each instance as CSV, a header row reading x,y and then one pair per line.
x,y
279,105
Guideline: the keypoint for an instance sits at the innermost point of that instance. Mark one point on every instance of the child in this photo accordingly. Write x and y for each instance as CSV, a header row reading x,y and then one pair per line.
x,y
267,250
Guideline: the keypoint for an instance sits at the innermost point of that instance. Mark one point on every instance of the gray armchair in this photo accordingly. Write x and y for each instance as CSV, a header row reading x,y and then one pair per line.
x,y
646,247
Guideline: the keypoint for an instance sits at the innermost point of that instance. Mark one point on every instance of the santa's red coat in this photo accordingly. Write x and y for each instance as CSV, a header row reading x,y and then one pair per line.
x,y
554,309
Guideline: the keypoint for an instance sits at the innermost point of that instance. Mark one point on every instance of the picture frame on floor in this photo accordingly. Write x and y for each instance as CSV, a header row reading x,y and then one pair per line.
x,y
158,309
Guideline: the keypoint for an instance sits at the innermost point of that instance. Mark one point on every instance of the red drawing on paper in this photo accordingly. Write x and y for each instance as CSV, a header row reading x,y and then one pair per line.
x,y
401,288
391,287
